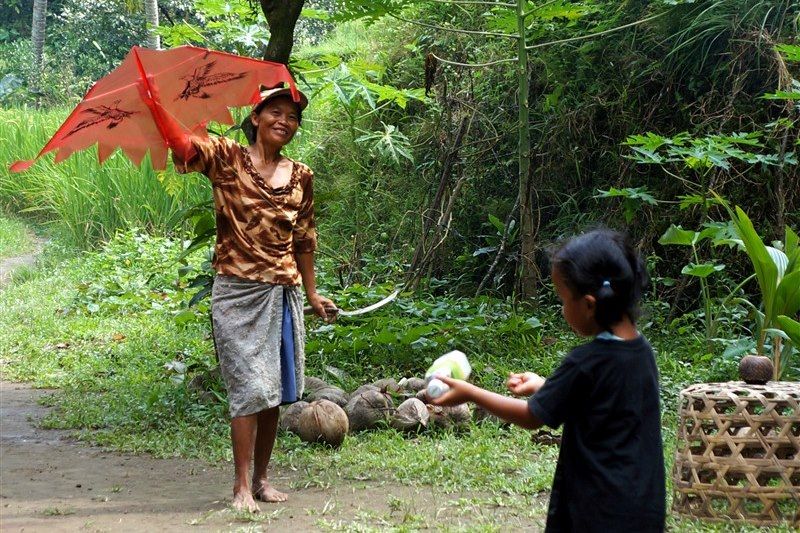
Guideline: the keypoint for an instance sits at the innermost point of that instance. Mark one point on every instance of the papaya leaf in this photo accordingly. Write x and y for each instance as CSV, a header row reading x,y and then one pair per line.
x,y
701,270
677,235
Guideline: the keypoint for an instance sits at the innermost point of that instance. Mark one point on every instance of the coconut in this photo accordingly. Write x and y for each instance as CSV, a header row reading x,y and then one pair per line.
x,y
312,384
205,380
363,388
322,421
755,369
412,384
367,409
387,385
330,393
422,395
290,414
411,415
457,416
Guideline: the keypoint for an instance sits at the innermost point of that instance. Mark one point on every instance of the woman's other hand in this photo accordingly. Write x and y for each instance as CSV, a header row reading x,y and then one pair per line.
x,y
323,307
524,384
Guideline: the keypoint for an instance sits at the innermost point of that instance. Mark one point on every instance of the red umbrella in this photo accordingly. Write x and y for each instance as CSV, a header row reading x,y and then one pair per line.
x,y
154,98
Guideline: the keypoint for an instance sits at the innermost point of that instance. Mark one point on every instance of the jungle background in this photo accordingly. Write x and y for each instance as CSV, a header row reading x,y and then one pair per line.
x,y
434,174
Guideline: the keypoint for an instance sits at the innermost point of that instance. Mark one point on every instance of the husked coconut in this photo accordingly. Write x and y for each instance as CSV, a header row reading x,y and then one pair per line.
x,y
330,393
422,395
363,388
387,385
312,384
290,414
445,417
412,384
368,409
410,415
322,421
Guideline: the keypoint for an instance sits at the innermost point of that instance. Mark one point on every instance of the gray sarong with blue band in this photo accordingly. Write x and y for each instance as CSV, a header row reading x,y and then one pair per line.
x,y
260,340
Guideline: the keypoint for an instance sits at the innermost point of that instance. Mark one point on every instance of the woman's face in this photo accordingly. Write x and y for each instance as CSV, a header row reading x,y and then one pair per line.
x,y
277,122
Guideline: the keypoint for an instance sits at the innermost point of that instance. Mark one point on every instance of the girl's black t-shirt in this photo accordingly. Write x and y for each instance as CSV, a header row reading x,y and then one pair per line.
x,y
610,472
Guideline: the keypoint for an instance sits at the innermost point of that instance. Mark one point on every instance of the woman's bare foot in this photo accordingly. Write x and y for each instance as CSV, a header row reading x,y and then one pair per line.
x,y
265,492
243,501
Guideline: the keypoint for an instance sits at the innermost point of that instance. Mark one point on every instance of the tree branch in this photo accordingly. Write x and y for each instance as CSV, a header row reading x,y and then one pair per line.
x,y
480,2
474,65
591,35
500,250
456,30
281,19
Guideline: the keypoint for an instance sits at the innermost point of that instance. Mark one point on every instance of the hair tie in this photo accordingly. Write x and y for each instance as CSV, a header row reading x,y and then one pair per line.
x,y
606,283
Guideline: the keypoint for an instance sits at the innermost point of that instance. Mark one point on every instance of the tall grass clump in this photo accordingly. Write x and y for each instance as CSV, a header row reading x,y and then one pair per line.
x,y
80,199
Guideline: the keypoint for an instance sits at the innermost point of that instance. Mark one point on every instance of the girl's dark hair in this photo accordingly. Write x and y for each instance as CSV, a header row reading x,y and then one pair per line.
x,y
604,263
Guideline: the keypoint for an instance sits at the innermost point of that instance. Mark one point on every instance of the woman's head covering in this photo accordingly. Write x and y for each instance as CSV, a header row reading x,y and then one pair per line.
x,y
267,95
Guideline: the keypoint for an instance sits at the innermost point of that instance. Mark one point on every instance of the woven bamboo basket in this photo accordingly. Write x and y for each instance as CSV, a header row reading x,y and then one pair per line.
x,y
738,453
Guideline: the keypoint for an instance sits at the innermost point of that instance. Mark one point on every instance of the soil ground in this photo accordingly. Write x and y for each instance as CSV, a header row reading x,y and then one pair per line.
x,y
49,482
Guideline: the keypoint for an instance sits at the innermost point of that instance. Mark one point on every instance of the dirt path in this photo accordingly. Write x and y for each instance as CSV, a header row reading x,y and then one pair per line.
x,y
49,482
8,265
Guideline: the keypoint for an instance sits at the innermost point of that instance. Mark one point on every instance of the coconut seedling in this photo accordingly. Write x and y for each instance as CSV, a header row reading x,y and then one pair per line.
x,y
411,385
322,421
387,385
363,388
457,416
330,393
422,395
368,410
411,415
777,270
290,415
312,384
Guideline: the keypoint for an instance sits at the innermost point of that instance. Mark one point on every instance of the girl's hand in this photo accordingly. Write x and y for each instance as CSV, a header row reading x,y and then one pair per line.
x,y
323,307
524,384
460,392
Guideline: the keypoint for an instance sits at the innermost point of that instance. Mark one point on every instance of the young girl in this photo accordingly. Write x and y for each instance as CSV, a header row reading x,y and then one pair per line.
x,y
610,471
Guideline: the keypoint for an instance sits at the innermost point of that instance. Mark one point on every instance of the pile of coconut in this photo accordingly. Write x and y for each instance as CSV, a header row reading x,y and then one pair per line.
x,y
327,413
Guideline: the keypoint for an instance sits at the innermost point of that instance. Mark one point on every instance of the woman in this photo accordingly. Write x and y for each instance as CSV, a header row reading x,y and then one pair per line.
x,y
265,246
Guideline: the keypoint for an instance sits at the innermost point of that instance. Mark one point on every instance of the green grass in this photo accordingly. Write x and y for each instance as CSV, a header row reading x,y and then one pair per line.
x,y
101,327
85,201
15,239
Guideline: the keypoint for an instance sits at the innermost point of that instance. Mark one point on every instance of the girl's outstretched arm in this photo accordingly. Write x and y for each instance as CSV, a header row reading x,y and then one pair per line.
x,y
509,409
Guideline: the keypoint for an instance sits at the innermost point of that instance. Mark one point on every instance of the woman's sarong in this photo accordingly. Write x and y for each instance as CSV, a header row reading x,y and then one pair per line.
x,y
260,341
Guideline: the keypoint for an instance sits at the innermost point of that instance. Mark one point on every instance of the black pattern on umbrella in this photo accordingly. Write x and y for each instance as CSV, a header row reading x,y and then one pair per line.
x,y
202,78
100,114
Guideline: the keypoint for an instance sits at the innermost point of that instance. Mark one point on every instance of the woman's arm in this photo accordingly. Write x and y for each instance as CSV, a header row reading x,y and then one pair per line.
x,y
509,409
305,264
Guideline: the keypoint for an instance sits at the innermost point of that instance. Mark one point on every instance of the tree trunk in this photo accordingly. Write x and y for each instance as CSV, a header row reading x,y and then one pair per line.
x,y
281,18
151,15
37,38
527,273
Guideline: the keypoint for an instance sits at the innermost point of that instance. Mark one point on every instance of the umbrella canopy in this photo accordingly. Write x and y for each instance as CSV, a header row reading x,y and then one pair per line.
x,y
156,95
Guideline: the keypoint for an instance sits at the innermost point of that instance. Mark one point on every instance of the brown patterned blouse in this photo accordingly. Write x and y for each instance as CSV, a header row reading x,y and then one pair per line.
x,y
259,229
